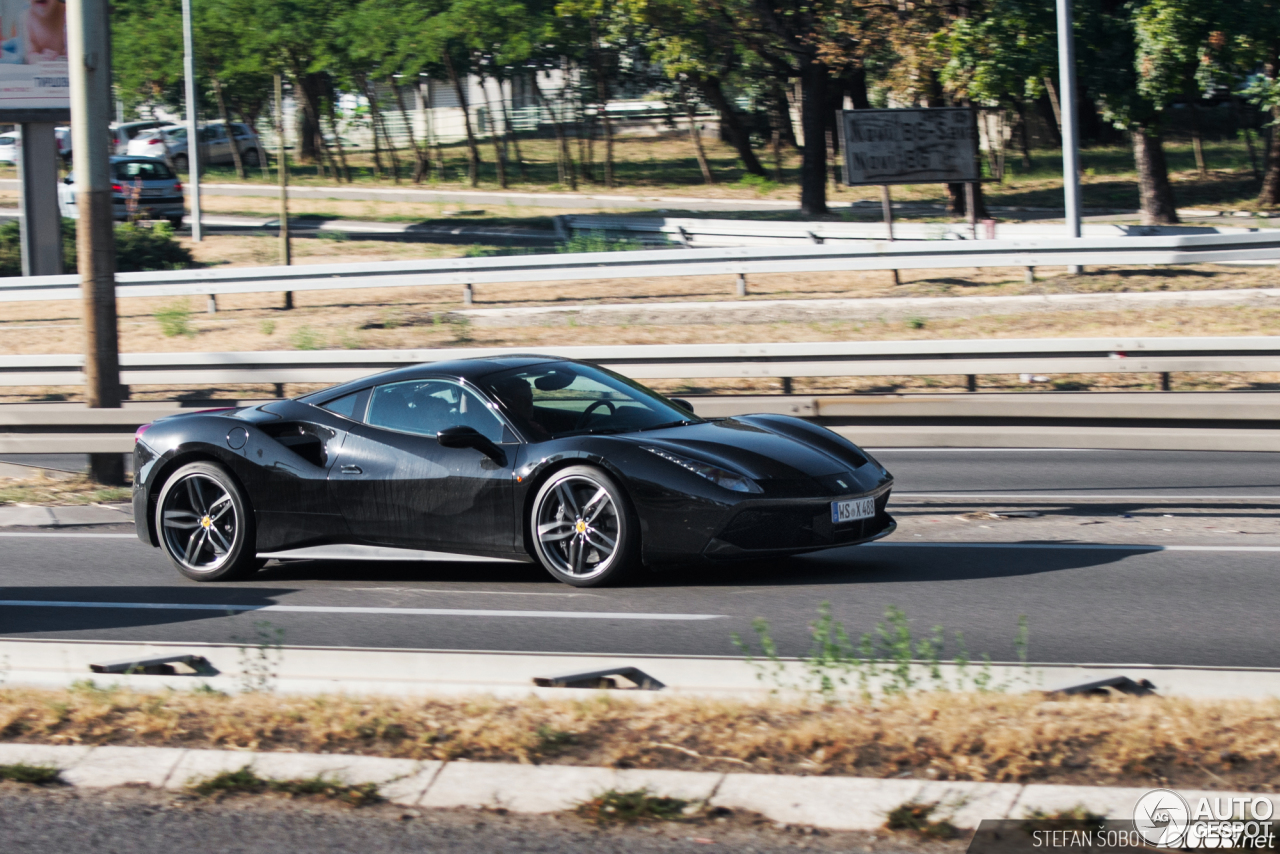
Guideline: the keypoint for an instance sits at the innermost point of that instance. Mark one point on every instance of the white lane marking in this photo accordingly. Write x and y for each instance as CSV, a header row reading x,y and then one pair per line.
x,y
1095,546
333,609
79,536
432,592
1064,496
896,450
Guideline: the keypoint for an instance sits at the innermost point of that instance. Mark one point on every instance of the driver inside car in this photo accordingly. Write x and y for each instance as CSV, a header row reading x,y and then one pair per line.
x,y
516,395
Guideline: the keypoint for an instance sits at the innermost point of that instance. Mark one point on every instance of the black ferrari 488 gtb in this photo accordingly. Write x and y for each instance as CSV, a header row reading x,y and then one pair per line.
x,y
524,458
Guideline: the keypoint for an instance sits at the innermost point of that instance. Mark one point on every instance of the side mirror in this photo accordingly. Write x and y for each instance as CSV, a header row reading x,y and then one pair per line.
x,y
470,437
682,403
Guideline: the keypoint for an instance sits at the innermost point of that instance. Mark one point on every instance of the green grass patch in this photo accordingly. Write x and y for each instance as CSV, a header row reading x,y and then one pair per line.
x,y
918,817
32,775
245,782
630,807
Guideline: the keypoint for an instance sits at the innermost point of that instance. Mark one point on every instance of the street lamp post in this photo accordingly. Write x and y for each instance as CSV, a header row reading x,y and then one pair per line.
x,y
1070,134
193,122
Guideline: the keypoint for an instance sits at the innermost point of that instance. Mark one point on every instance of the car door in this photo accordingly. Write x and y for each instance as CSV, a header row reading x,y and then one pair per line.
x,y
397,486
216,148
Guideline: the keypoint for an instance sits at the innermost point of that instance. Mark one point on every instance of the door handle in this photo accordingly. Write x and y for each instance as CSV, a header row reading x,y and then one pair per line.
x,y
351,469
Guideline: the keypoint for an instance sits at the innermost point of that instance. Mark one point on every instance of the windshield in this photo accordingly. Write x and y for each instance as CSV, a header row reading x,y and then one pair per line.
x,y
563,399
145,170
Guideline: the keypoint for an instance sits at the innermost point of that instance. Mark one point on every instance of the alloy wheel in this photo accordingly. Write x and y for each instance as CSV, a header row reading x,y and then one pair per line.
x,y
578,527
200,523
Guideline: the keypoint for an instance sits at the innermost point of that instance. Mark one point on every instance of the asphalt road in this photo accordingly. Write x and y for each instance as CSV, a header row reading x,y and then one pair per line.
x,y
1130,603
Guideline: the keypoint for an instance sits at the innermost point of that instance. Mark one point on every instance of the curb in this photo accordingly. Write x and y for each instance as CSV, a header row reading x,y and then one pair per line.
x,y
833,803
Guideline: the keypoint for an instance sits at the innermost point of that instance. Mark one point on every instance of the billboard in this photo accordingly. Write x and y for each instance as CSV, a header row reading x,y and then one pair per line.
x,y
33,58
931,145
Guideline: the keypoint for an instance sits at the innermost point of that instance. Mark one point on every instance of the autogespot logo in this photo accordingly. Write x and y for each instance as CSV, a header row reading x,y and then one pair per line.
x,y
1162,816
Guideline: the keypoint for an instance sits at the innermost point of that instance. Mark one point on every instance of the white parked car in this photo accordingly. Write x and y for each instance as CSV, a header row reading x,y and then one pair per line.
x,y
215,145
9,147
124,133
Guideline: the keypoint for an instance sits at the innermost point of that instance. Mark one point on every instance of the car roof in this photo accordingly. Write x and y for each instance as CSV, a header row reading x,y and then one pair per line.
x,y
465,369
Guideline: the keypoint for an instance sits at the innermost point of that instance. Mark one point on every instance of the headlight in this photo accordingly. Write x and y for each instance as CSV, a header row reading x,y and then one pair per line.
x,y
731,480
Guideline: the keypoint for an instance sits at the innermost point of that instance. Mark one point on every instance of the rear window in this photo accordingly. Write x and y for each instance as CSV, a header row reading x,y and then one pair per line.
x,y
133,170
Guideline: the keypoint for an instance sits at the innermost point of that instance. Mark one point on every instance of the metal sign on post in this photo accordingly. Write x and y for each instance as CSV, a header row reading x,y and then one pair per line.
x,y
924,145
35,94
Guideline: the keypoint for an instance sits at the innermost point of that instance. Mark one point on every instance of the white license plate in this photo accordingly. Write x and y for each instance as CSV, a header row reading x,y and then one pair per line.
x,y
852,509
159,192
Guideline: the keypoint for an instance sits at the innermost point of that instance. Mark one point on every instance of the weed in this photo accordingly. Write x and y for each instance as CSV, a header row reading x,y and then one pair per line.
x,y
208,690
462,329
267,327
598,241
1078,817
631,807
890,661
552,740
759,183
391,319
246,782
175,320
336,236
34,775
915,322
918,817
260,663
305,338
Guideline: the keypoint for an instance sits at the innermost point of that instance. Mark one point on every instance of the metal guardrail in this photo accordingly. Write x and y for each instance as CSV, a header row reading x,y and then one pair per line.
x,y
704,233
588,266
695,361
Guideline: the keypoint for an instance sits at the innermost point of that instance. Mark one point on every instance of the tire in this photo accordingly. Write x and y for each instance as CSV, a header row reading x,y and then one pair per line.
x,y
175,222
251,158
205,525
180,162
576,514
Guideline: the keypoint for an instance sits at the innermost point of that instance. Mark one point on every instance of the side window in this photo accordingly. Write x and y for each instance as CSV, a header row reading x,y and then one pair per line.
x,y
426,407
346,405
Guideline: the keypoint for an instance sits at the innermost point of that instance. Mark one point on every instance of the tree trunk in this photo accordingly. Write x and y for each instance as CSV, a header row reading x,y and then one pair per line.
x,y
332,114
419,160
373,126
306,86
956,201
602,96
696,136
226,123
495,136
510,129
1270,195
381,118
1024,134
731,122
813,165
1154,192
565,159
1197,142
473,152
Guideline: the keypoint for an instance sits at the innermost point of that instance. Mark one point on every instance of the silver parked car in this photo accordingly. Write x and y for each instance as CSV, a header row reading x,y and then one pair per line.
x,y
215,145
141,187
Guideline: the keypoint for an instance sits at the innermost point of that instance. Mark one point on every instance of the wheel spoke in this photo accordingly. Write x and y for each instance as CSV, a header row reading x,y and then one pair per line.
x,y
181,519
565,491
579,554
560,529
218,542
598,502
601,542
196,494
219,508
194,544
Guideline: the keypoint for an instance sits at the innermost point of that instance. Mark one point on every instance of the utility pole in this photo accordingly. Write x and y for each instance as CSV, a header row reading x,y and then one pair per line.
x,y
193,122
282,165
89,54
1070,134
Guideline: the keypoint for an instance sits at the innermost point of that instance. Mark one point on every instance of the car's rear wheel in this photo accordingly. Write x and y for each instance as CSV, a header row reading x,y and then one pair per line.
x,y
583,529
251,158
205,524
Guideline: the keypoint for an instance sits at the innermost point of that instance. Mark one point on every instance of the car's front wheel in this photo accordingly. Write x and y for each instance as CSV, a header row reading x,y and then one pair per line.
x,y
205,524
583,528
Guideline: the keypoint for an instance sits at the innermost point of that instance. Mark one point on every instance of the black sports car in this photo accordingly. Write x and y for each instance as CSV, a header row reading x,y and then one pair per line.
x,y
514,457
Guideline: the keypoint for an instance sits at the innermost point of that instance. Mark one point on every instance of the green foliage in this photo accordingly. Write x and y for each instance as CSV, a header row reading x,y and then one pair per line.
x,y
305,338
138,248
918,817
32,775
887,661
175,320
246,782
598,241
758,183
630,807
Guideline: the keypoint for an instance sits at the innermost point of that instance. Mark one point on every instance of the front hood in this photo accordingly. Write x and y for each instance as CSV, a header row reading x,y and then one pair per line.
x,y
749,448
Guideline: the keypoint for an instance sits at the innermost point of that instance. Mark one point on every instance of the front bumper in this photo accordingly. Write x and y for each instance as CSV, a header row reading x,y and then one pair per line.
x,y
795,526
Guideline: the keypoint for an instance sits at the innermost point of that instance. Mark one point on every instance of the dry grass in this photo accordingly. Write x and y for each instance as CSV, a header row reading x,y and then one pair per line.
x,y
56,489
1138,742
